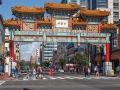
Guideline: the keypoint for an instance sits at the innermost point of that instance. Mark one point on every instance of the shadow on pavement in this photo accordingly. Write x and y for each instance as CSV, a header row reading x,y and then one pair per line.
x,y
26,89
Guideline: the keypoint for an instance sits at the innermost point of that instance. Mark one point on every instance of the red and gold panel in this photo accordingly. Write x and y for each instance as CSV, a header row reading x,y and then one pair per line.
x,y
28,26
93,28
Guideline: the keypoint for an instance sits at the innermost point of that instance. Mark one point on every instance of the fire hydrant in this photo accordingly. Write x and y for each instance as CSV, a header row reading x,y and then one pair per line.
x,y
112,72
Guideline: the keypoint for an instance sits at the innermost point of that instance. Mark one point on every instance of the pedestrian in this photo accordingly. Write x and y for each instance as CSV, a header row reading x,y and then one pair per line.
x,y
40,73
71,69
16,72
118,70
33,73
50,72
27,71
77,69
97,72
88,71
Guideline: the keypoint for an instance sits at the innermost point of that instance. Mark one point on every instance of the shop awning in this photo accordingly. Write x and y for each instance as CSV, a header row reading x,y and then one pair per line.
x,y
115,56
98,58
70,45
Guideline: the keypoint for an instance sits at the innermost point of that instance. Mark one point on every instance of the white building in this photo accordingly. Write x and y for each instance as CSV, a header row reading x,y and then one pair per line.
x,y
38,55
47,52
109,5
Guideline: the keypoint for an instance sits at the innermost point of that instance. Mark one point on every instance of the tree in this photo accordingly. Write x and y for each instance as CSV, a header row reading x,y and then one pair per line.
x,y
33,65
62,62
21,64
82,59
45,64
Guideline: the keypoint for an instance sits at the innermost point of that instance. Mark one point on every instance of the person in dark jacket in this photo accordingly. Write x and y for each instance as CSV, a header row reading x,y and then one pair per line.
x,y
86,71
16,72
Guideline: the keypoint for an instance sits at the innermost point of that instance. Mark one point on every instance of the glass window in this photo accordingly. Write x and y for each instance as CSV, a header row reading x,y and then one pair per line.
x,y
116,14
115,5
74,1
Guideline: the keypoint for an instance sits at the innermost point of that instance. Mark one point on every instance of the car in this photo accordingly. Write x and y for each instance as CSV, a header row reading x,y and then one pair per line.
x,y
61,70
23,70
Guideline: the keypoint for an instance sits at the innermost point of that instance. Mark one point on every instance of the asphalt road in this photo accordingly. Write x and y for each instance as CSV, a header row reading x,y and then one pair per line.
x,y
63,83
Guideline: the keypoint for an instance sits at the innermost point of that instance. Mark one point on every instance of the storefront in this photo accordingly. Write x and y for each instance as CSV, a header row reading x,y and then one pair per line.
x,y
2,45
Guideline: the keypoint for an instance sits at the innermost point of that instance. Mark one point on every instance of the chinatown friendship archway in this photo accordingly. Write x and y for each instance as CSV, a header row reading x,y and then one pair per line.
x,y
63,26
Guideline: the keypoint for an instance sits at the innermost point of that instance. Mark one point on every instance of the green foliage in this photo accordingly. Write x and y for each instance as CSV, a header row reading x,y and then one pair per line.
x,y
21,64
62,62
33,65
82,59
45,64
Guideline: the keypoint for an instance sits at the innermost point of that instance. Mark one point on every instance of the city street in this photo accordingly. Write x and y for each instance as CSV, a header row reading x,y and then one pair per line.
x,y
63,81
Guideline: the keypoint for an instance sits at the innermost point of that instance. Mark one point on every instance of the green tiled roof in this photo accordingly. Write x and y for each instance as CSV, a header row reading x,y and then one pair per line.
x,y
70,45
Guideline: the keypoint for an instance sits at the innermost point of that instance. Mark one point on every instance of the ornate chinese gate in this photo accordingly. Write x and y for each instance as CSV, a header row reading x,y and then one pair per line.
x,y
63,25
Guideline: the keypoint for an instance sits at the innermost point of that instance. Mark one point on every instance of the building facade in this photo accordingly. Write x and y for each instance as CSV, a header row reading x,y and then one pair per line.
x,y
38,55
84,3
18,53
109,5
2,45
33,58
61,50
47,51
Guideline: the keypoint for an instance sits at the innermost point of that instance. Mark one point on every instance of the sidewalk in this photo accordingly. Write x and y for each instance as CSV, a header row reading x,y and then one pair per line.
x,y
6,77
115,75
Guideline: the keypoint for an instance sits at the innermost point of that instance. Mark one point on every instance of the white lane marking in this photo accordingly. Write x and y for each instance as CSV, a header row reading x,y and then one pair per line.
x,y
1,82
60,78
52,78
44,78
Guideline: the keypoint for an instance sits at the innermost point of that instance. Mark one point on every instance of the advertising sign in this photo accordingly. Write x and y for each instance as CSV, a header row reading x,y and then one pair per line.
x,y
62,23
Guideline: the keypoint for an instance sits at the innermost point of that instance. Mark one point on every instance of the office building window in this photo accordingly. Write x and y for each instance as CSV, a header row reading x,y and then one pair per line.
x,y
83,2
115,5
116,14
74,1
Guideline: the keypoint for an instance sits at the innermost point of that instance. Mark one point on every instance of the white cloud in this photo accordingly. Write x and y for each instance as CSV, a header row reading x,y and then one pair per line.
x,y
29,49
27,52
26,57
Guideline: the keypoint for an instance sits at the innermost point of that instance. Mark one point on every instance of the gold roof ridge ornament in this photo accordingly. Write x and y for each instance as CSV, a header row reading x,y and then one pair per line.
x,y
22,9
95,12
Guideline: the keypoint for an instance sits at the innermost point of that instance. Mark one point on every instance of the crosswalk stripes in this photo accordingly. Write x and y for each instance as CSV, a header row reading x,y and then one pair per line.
x,y
81,77
73,77
1,82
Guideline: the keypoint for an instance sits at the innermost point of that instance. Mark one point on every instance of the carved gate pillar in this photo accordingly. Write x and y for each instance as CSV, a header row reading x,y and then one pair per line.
x,y
107,65
107,52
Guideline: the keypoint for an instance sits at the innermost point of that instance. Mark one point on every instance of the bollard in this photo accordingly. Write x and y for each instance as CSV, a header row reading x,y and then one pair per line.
x,y
112,72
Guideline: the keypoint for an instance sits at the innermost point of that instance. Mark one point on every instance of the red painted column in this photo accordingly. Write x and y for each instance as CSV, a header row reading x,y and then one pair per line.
x,y
12,50
87,27
107,52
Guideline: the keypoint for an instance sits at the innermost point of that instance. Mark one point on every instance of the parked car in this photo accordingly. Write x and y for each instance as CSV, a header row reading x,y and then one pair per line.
x,y
61,70
23,70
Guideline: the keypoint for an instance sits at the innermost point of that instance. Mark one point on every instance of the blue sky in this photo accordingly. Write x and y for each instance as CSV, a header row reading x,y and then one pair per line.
x,y
5,10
